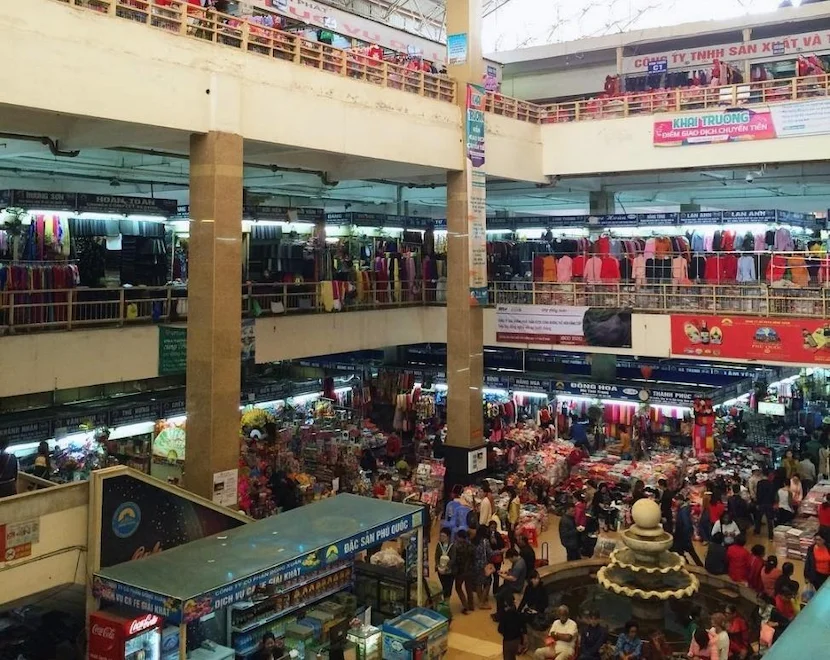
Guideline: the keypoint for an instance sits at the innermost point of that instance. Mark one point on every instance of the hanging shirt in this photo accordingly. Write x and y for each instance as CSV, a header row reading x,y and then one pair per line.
x,y
679,271
564,269
638,269
610,269
746,269
578,265
593,270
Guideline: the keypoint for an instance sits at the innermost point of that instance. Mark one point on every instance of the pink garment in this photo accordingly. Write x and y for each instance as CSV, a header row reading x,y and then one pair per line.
x,y
593,270
680,271
638,269
648,252
564,269
760,242
708,242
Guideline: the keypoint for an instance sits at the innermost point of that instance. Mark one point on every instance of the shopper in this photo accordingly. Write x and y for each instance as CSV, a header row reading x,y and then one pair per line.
x,y
514,512
703,646
784,602
497,547
629,645
580,510
738,630
592,637
8,470
796,492
716,555
766,504
790,464
514,579
737,560
562,638
756,565
512,628
770,575
718,631
684,531
824,516
484,568
486,506
534,601
43,461
692,623
727,527
786,508
817,563
786,579
638,492
602,507
269,650
738,508
526,551
807,473
569,534
465,567
445,562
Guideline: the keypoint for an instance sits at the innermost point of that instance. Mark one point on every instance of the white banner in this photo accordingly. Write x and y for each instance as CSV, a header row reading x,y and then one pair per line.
x,y
758,49
545,324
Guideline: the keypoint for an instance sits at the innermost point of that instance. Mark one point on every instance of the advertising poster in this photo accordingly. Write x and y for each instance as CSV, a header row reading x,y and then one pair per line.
x,y
566,325
802,119
225,487
457,48
476,195
172,350
799,341
138,519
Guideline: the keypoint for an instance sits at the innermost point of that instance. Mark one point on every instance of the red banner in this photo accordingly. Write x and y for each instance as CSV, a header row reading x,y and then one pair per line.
x,y
800,341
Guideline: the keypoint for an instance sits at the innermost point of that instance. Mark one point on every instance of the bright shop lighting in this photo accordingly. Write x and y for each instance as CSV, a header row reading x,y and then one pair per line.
x,y
499,231
620,402
531,395
130,430
494,391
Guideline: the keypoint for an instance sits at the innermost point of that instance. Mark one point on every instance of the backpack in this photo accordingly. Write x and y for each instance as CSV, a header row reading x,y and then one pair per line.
x,y
444,567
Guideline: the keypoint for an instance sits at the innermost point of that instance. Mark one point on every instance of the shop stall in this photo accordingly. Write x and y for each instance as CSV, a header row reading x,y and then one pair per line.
x,y
291,575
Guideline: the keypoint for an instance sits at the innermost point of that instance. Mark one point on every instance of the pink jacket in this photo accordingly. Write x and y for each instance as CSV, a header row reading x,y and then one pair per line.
x,y
593,270
564,269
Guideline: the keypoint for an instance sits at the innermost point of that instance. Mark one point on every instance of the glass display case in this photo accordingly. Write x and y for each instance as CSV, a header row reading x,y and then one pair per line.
x,y
389,592
416,625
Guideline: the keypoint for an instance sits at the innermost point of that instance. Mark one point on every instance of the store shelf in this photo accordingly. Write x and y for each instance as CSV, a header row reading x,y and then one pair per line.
x,y
256,647
279,615
317,576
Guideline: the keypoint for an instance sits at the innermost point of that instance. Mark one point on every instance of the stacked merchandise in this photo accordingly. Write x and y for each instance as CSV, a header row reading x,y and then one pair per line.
x,y
603,467
793,541
429,482
813,499
549,463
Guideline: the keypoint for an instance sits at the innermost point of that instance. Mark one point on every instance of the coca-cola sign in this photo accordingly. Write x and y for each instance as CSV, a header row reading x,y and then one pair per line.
x,y
144,623
106,632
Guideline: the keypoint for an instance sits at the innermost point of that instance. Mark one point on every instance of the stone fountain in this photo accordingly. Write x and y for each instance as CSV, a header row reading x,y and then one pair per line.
x,y
645,571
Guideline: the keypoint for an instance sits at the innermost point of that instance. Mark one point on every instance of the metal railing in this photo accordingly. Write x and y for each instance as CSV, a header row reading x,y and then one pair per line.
x,y
754,299
688,99
180,18
34,311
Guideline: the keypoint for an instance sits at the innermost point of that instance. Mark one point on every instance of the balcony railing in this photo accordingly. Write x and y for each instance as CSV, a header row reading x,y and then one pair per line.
x,y
688,99
67,309
180,18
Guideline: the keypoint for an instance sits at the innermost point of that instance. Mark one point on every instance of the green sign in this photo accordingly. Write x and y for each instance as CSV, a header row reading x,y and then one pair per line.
x,y
172,350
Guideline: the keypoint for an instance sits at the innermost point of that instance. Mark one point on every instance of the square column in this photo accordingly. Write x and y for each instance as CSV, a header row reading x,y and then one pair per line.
x,y
466,258
214,325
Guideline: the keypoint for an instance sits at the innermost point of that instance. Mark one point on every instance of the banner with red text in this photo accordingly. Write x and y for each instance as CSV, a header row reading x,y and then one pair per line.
x,y
785,120
799,341
566,325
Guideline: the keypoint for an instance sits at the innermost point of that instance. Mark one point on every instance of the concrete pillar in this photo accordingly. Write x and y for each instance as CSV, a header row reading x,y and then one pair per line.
x,y
601,202
465,211
214,329
690,208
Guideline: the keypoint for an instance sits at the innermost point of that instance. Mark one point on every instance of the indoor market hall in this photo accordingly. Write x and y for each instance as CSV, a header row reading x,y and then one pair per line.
x,y
375,330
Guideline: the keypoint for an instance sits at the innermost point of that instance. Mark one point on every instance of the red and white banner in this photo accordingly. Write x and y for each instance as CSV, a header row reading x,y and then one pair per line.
x,y
797,341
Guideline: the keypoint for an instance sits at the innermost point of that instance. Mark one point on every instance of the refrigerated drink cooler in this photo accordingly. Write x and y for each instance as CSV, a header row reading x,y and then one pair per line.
x,y
118,637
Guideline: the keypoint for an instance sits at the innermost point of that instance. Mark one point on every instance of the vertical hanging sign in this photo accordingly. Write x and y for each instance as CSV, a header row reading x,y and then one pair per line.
x,y
476,195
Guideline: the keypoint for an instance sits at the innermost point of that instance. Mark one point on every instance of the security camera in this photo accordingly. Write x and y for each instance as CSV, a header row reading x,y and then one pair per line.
x,y
750,178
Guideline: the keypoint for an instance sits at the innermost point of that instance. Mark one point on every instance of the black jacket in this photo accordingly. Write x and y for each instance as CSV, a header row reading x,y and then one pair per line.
x,y
536,598
765,494
716,559
568,533
591,640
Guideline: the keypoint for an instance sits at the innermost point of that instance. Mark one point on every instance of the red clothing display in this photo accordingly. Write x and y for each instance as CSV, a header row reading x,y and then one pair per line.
x,y
603,245
737,563
578,266
776,268
729,268
610,269
712,274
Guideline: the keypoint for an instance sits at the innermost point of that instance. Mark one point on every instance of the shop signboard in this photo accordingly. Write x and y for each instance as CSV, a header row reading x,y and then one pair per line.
x,y
496,382
315,560
757,49
173,407
140,412
566,325
476,195
131,509
126,205
18,432
39,200
73,423
783,120
701,217
749,216
791,340
625,393
172,350
531,385
136,598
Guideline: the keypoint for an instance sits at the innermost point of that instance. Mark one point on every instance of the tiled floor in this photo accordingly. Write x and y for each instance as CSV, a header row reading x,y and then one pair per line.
x,y
474,636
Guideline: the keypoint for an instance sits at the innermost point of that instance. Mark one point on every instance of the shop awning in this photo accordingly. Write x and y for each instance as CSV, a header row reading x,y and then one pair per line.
x,y
192,580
